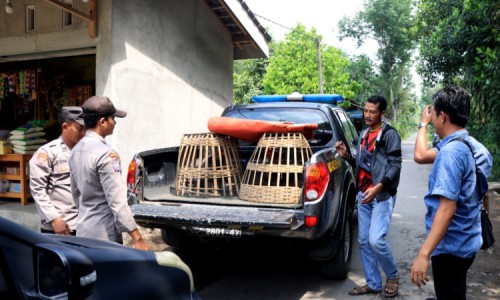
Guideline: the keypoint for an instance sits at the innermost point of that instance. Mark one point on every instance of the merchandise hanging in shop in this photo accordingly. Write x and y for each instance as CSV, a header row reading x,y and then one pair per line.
x,y
22,84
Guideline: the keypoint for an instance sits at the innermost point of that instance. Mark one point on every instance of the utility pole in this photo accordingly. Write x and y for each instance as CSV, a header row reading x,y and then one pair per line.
x,y
320,67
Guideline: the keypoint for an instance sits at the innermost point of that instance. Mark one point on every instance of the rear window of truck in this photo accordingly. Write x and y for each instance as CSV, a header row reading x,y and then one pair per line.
x,y
322,135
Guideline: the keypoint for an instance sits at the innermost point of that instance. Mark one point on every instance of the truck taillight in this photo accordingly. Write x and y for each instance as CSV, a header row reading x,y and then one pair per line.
x,y
316,181
131,184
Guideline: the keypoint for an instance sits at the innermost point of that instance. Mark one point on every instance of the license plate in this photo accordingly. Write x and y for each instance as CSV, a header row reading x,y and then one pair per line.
x,y
216,231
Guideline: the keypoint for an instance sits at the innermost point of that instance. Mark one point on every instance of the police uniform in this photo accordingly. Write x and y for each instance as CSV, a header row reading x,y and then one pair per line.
x,y
50,184
99,190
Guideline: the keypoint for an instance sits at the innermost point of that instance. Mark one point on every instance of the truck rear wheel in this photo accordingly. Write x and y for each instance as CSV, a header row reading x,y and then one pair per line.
x,y
338,266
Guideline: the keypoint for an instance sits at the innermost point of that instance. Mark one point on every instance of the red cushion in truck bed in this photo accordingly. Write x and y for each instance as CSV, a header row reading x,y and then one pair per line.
x,y
252,130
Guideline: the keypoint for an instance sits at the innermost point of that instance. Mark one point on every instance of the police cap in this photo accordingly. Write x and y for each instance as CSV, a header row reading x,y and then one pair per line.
x,y
101,106
72,113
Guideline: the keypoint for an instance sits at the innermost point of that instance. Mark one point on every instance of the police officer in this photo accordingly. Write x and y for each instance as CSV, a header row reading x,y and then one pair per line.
x,y
50,176
96,180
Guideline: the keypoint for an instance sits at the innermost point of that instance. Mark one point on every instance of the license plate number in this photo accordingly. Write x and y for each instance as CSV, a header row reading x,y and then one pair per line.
x,y
217,231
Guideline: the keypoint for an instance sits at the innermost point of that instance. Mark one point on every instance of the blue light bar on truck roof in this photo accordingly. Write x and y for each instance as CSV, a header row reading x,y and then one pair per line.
x,y
315,98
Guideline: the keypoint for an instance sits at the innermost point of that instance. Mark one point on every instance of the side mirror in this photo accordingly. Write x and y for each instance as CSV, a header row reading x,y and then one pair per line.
x,y
62,273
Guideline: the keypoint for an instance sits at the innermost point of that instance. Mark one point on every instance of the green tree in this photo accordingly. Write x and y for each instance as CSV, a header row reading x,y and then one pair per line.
x,y
247,79
460,43
293,67
409,113
426,94
389,23
363,71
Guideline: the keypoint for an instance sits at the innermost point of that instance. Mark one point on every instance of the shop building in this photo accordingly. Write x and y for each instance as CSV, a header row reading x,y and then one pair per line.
x,y
168,63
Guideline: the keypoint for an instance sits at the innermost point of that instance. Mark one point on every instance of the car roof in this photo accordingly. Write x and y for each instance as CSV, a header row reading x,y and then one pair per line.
x,y
295,104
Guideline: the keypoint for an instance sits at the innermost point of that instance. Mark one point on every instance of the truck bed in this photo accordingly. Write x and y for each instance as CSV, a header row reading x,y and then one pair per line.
x,y
167,194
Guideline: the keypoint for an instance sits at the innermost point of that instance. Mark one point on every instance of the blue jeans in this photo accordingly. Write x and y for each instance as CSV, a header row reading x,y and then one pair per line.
x,y
373,224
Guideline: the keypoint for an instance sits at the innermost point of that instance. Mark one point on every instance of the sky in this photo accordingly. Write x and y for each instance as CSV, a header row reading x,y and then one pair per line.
x,y
324,15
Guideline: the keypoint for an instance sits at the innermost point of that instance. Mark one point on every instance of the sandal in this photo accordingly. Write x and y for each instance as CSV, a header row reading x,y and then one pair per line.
x,y
391,287
363,290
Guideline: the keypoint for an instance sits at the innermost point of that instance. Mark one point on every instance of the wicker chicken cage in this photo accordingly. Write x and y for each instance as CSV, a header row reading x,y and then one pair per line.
x,y
208,165
274,171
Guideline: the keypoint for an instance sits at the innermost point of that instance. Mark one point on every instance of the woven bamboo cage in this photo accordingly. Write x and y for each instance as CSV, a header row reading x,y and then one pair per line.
x,y
208,165
274,171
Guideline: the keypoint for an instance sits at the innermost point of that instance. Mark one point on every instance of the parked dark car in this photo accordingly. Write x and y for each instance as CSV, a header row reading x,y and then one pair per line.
x,y
321,220
44,266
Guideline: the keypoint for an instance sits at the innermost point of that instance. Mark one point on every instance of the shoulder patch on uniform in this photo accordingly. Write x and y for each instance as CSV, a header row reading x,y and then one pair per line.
x,y
113,154
41,158
115,161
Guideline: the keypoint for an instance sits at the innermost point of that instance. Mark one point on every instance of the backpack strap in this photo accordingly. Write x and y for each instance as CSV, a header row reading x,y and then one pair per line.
x,y
478,182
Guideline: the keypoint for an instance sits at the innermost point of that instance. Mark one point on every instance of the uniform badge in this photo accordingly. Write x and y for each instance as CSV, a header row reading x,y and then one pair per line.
x,y
115,161
42,158
64,167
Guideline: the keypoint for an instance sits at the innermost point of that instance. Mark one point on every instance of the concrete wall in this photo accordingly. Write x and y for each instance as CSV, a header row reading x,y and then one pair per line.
x,y
169,65
49,34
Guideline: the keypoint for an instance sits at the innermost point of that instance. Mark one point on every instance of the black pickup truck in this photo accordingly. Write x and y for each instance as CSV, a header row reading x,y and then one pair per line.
x,y
323,224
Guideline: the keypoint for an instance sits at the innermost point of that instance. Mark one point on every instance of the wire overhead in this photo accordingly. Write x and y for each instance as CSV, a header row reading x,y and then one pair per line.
x,y
274,22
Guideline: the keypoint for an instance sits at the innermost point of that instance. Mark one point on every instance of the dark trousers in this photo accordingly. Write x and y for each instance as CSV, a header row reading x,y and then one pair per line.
x,y
450,276
73,233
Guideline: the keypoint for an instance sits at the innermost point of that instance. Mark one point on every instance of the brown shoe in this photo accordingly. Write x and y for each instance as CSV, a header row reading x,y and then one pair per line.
x,y
391,287
363,290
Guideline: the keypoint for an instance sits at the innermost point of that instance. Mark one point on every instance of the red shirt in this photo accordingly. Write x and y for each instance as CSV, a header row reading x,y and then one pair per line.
x,y
365,178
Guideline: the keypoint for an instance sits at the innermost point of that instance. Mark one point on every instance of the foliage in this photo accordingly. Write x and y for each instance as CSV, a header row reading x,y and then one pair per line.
x,y
247,79
460,41
294,66
488,135
388,22
426,94
409,115
362,70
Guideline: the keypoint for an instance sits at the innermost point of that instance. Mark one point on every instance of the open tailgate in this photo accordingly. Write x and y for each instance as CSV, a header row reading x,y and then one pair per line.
x,y
159,215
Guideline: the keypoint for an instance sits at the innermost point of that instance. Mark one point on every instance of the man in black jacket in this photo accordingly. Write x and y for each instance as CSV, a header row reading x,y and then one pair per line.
x,y
378,167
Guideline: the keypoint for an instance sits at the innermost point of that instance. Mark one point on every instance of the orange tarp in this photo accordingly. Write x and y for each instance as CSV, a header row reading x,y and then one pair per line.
x,y
252,130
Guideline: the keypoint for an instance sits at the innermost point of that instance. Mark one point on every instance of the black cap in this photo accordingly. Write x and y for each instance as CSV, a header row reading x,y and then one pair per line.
x,y
101,106
72,113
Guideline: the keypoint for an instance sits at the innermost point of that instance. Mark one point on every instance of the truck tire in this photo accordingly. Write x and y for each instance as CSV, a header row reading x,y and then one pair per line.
x,y
338,267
